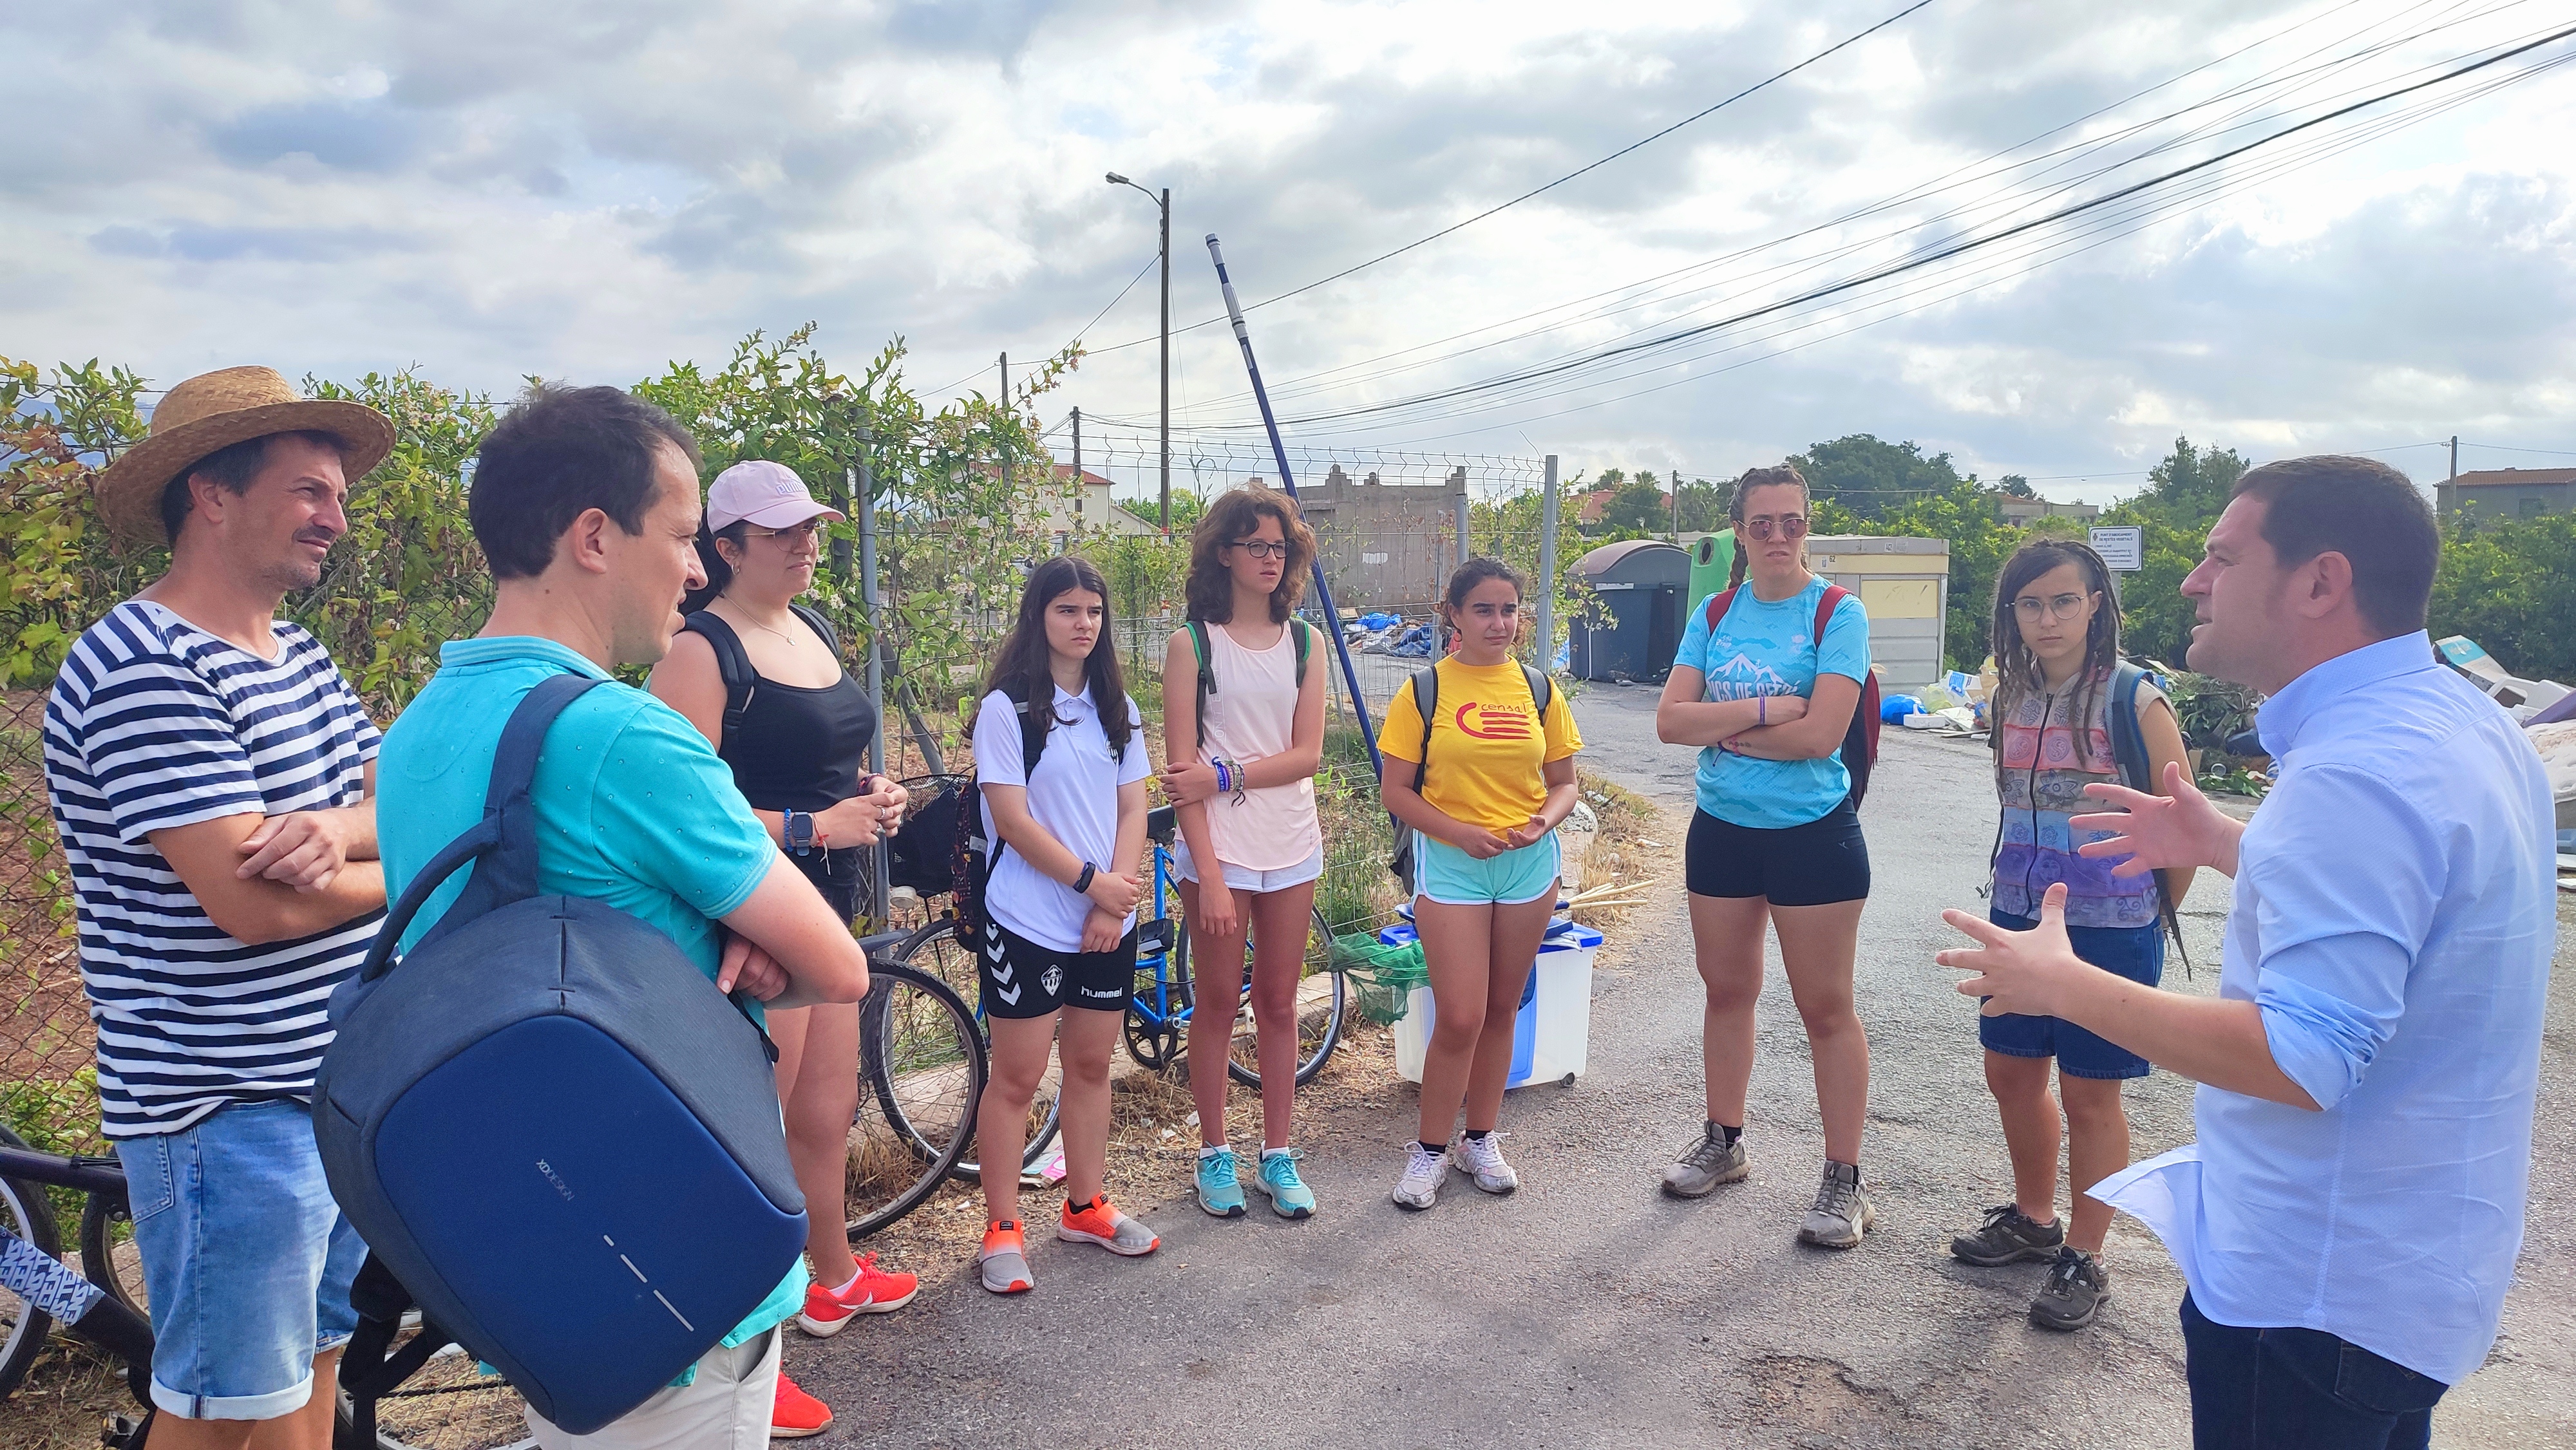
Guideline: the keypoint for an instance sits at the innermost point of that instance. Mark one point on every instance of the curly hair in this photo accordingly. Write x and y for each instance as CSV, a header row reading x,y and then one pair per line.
x,y
1209,592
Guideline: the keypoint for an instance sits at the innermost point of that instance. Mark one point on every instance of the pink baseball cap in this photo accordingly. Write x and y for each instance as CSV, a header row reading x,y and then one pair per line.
x,y
765,493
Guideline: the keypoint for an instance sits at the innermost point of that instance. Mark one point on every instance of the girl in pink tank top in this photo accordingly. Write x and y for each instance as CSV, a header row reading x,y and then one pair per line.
x,y
1243,735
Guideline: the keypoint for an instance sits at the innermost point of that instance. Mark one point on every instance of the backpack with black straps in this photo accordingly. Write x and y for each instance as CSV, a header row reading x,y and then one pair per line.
x,y
972,857
1859,749
1425,685
550,1129
1207,667
733,663
2138,773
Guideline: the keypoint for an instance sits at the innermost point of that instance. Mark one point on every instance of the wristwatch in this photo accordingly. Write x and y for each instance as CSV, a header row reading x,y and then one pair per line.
x,y
1082,883
799,830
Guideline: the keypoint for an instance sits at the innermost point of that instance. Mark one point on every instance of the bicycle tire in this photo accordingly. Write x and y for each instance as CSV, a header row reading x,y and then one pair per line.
x,y
1329,1033
933,949
27,1212
898,1044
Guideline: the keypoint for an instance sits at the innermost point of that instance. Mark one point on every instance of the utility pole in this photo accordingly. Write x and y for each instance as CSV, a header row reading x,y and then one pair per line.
x,y
1547,570
1677,505
2455,458
1077,448
1006,382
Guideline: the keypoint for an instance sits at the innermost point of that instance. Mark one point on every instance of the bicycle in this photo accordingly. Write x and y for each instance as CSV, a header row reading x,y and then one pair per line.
x,y
1159,1010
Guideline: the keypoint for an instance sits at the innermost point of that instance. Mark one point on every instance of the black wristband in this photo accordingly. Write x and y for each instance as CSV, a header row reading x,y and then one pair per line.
x,y
1082,883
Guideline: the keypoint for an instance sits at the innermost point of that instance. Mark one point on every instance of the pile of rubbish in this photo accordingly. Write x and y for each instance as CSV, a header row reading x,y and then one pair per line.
x,y
2547,712
1389,634
1955,706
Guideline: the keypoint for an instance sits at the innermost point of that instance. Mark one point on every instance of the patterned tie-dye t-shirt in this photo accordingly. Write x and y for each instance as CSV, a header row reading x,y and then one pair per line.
x,y
2042,782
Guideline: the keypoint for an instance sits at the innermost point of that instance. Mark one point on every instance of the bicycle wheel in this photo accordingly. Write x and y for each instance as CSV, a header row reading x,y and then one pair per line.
x,y
1320,999
934,950
1158,1010
25,1213
925,1063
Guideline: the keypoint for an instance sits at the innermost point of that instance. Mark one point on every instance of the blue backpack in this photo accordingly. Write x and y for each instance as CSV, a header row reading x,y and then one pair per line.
x,y
553,1134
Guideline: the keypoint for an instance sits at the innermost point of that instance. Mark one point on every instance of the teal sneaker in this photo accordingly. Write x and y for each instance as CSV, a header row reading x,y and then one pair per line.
x,y
1219,1194
1289,1195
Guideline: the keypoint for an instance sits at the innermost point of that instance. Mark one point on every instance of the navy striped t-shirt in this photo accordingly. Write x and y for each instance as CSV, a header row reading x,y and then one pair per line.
x,y
154,724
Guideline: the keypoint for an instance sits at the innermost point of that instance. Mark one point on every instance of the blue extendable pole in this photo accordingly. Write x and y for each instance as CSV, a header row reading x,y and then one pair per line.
x,y
1288,484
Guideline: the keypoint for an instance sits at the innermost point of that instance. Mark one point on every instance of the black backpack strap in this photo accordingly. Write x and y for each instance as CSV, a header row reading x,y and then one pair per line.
x,y
1542,693
502,847
733,665
367,1371
1426,698
822,626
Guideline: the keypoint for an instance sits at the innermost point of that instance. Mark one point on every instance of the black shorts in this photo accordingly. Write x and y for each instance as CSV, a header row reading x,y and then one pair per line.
x,y
1816,864
842,876
1023,979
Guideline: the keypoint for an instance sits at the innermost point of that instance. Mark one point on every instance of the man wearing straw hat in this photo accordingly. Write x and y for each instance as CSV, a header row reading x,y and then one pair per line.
x,y
213,780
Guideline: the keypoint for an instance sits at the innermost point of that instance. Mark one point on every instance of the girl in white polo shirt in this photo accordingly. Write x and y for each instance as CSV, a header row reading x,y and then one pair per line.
x,y
1059,952
1243,776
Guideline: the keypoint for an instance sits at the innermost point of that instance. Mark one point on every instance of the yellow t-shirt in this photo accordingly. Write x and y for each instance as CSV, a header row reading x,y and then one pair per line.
x,y
1486,750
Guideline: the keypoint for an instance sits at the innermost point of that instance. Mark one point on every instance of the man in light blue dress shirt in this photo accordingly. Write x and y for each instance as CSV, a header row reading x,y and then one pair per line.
x,y
2348,1220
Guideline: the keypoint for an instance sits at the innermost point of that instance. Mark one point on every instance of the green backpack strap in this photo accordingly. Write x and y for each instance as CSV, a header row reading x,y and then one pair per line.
x,y
1206,682
1305,645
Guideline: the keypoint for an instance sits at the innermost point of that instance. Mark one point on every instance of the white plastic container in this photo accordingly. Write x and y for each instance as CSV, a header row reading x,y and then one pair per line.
x,y
1551,1036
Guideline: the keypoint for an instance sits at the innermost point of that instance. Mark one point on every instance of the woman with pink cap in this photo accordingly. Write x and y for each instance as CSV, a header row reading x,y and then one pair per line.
x,y
795,728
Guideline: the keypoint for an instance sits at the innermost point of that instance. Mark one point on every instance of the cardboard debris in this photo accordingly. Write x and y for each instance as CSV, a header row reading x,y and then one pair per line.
x,y
2463,654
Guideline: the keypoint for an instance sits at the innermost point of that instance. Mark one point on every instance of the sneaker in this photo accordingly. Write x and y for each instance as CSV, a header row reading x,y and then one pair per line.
x,y
829,1311
1709,1161
1481,1159
1004,1260
1289,1195
1842,1213
2077,1288
1219,1194
794,1414
2009,1236
1097,1222
1419,1188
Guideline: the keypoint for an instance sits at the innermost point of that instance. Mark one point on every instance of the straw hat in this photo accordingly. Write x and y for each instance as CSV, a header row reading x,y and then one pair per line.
x,y
212,412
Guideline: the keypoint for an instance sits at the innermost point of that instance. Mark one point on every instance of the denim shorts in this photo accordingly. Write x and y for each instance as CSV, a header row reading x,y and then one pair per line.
x,y
2134,952
247,1260
1451,877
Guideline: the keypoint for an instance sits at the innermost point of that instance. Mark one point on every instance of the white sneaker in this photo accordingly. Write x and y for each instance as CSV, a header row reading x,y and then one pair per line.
x,y
1419,1188
1482,1160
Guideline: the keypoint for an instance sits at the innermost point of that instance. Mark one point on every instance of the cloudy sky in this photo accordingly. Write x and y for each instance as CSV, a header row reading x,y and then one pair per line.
x,y
584,191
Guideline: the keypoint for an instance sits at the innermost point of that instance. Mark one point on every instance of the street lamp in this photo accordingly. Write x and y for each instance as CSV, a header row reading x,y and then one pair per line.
x,y
1163,201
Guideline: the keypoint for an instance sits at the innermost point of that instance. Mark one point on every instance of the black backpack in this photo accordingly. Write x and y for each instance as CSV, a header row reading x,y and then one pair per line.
x,y
1426,698
733,664
552,1131
1207,667
971,857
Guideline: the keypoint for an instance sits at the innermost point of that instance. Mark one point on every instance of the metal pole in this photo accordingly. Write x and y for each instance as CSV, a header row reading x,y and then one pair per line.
x,y
1005,399
2455,458
1288,485
1466,543
1077,450
1167,364
861,487
1677,506
1547,569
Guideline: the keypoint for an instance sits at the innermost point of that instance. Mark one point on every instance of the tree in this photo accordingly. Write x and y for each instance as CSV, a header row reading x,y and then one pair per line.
x,y
2186,491
1870,476
1703,505
1637,509
2013,485
1186,509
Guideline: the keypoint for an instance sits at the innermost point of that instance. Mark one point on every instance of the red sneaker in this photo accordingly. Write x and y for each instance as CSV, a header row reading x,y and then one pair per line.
x,y
874,1291
794,1415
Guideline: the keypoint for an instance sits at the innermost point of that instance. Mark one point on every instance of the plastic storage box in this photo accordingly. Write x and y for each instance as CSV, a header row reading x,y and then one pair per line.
x,y
1552,1036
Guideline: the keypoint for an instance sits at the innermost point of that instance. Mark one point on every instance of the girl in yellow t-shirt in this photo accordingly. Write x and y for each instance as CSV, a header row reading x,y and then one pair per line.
x,y
1489,781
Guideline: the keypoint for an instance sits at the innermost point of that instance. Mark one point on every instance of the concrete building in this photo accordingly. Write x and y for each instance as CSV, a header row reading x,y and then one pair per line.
x,y
2021,513
1071,511
1385,545
1904,583
2510,493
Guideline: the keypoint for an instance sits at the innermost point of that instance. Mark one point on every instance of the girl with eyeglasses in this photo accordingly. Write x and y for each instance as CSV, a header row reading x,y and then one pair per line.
x,y
1242,744
1765,684
795,729
2064,701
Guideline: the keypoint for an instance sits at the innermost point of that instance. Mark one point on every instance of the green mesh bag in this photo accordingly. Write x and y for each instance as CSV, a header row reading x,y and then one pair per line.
x,y
1381,977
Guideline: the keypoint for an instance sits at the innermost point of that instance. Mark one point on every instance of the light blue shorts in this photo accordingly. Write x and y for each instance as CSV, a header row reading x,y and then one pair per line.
x,y
247,1260
1451,877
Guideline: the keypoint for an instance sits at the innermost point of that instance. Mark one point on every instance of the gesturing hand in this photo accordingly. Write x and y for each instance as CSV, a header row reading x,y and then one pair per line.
x,y
303,850
1529,834
2179,829
2028,972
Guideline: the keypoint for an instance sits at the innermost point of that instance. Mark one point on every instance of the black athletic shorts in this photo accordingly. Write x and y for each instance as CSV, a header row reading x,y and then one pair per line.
x,y
1023,979
1821,862
843,876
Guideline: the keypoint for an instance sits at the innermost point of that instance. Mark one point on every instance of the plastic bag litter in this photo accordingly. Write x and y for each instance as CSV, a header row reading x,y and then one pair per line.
x,y
1381,976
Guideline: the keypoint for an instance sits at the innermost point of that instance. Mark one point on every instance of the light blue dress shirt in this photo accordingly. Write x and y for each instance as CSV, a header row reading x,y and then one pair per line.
x,y
2395,915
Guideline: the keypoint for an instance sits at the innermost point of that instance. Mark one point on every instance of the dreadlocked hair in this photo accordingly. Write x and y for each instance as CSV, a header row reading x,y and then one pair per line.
x,y
2017,671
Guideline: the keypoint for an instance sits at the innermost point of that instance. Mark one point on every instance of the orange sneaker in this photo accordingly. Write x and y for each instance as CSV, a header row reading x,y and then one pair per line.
x,y
1004,1259
874,1291
794,1415
1097,1222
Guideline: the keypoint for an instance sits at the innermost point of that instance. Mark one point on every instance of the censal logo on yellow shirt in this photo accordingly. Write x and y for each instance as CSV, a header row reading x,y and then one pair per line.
x,y
1492,722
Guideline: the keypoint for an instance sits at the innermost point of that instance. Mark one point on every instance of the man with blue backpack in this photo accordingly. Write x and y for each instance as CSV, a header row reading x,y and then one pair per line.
x,y
585,501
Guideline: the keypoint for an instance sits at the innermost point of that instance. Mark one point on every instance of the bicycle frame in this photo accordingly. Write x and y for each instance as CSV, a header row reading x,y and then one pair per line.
x,y
1161,1007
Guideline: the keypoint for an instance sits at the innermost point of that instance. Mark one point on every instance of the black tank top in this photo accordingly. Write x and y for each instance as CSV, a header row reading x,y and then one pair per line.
x,y
797,749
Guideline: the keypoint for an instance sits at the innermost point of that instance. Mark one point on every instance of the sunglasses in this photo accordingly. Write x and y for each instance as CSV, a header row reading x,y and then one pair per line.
x,y
800,534
1260,548
1791,526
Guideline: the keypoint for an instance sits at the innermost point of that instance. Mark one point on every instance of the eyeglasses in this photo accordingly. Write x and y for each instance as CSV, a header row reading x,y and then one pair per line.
x,y
798,534
1791,526
2064,606
1260,548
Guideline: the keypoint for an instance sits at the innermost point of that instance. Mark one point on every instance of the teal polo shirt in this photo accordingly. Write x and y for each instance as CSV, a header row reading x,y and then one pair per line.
x,y
634,810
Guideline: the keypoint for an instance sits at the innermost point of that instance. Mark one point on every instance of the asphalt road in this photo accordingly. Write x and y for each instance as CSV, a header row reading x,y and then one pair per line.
x,y
1589,1310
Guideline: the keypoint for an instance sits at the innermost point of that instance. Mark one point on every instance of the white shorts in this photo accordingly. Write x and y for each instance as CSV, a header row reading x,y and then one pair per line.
x,y
726,1406
1244,878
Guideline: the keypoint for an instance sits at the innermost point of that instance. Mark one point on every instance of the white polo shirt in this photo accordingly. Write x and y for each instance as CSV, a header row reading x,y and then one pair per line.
x,y
1074,798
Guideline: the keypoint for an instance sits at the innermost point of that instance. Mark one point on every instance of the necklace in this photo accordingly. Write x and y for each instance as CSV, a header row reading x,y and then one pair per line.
x,y
782,634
